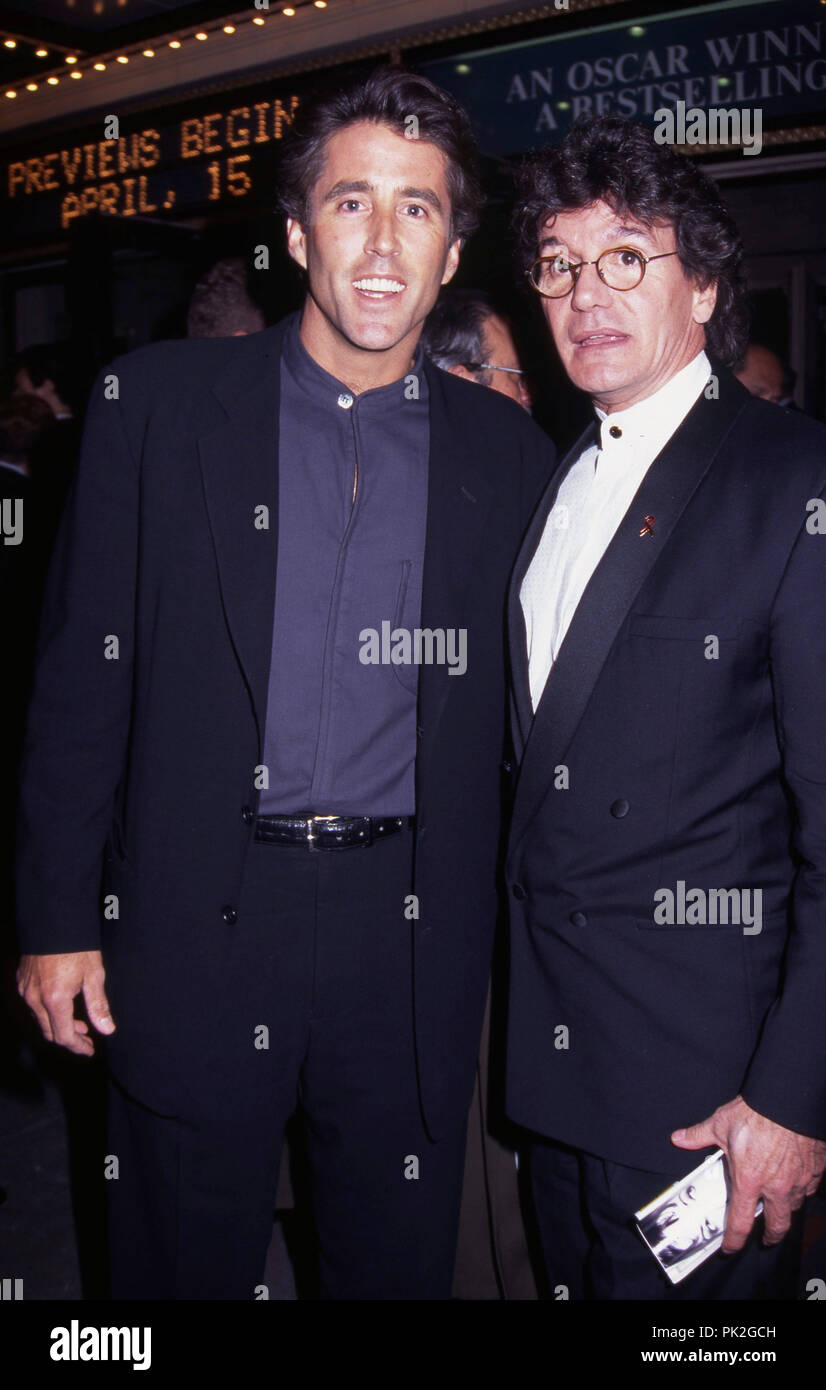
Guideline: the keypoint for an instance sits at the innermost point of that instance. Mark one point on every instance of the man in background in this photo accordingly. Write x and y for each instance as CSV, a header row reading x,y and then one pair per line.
x,y
465,335
47,372
764,375
221,305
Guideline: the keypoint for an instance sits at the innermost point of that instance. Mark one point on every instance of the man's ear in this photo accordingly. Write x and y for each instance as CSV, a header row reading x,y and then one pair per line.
x,y
460,370
452,261
297,242
705,301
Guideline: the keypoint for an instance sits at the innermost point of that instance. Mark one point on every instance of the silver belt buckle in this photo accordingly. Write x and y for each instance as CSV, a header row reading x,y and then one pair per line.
x,y
311,837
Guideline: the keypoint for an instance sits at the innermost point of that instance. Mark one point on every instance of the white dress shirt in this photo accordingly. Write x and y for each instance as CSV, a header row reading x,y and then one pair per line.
x,y
591,502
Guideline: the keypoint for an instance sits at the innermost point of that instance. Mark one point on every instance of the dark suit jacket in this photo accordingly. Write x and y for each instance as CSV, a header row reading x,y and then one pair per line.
x,y
19,578
148,760
683,767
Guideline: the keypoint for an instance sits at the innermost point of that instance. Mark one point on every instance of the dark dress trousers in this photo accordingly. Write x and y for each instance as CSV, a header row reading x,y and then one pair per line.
x,y
139,781
687,760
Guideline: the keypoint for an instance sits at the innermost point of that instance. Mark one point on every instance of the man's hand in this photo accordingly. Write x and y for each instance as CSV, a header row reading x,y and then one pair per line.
x,y
50,984
764,1160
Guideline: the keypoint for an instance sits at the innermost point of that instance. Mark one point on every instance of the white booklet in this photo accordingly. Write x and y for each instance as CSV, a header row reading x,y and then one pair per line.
x,y
686,1223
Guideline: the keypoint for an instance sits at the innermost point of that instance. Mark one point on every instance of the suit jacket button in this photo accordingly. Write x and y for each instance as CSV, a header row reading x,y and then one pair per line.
x,y
229,915
578,919
247,815
620,808
519,892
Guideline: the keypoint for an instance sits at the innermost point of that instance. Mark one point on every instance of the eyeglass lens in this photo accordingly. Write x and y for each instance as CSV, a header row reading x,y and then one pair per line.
x,y
621,269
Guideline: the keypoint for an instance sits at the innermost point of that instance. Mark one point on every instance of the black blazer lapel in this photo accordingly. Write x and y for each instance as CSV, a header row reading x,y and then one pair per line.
x,y
521,708
458,502
239,466
663,494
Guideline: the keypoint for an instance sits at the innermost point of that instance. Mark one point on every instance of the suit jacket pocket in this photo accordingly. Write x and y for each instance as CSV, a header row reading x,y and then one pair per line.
x,y
643,924
662,626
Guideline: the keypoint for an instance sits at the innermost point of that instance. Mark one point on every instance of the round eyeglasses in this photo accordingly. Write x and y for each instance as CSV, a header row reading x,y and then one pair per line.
x,y
620,268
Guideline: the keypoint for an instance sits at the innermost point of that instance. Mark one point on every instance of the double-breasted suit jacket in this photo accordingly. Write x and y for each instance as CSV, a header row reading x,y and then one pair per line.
x,y
658,756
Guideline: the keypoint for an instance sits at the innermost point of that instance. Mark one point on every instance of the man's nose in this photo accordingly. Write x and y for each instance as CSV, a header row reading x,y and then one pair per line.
x,y
382,235
589,290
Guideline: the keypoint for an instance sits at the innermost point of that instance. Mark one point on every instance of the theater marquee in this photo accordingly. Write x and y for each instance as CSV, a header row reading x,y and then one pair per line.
x,y
769,54
218,153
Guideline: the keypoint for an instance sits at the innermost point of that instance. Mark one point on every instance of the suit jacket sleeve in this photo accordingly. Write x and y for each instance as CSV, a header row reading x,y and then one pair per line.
x,y
78,721
539,459
786,1079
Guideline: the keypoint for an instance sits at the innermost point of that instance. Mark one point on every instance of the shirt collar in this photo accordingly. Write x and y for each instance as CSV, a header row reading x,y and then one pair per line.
x,y
646,426
325,388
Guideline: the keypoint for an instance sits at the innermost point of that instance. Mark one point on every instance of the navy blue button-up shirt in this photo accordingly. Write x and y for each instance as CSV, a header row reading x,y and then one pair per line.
x,y
340,735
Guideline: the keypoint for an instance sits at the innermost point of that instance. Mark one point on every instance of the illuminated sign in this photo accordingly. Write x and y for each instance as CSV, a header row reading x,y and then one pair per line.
x,y
216,153
769,54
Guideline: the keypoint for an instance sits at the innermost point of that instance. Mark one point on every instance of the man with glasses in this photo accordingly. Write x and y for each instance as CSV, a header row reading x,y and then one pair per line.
x,y
668,655
464,334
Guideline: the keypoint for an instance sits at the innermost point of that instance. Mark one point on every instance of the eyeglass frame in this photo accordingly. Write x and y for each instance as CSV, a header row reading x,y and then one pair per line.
x,y
576,269
492,367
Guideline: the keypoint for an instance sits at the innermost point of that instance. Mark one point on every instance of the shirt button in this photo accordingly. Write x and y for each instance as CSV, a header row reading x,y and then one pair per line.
x,y
620,808
229,915
345,400
518,892
247,815
615,431
578,919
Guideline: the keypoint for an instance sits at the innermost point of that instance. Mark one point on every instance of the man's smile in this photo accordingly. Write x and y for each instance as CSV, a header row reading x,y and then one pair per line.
x,y
379,286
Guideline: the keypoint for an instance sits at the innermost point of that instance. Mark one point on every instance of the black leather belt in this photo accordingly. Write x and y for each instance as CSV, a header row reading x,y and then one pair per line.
x,y
328,832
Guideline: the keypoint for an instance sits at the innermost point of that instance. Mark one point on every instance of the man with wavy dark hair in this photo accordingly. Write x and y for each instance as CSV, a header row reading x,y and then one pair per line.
x,y
270,707
405,102
667,857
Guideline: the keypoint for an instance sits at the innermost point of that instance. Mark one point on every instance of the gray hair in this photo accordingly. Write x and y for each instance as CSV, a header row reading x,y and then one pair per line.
x,y
453,333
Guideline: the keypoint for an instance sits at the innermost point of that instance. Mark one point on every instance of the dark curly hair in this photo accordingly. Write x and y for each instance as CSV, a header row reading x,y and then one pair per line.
x,y
389,96
618,162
